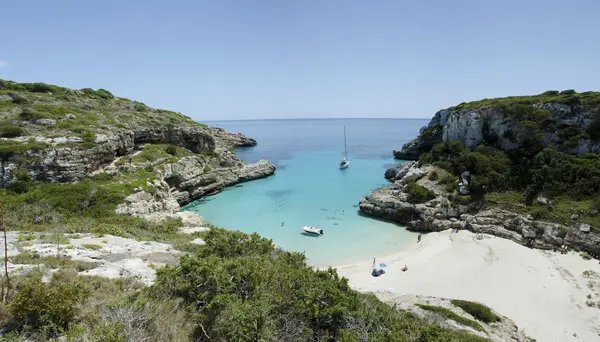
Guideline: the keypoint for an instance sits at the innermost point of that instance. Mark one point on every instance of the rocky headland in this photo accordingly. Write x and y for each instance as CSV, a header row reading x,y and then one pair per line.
x,y
465,164
50,134
566,118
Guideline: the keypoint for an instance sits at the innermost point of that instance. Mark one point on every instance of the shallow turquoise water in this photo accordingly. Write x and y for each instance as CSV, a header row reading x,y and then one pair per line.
x,y
309,189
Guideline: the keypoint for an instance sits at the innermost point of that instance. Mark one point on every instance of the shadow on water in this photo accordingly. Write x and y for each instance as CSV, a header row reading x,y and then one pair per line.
x,y
309,234
360,213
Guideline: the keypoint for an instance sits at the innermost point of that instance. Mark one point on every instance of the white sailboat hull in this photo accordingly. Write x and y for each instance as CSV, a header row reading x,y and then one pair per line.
x,y
344,165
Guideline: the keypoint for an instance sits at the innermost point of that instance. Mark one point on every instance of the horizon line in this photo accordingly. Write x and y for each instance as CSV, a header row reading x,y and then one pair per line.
x,y
274,119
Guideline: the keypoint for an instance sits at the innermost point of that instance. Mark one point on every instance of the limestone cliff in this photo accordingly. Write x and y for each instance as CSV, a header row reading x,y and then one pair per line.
x,y
60,135
564,120
446,209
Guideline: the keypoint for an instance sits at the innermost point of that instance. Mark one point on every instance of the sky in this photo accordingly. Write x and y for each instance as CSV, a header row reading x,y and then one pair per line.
x,y
255,59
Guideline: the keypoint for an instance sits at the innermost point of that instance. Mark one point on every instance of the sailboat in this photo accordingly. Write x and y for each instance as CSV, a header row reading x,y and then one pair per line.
x,y
345,162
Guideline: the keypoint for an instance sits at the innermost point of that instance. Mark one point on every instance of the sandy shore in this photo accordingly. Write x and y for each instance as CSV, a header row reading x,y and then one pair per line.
x,y
545,293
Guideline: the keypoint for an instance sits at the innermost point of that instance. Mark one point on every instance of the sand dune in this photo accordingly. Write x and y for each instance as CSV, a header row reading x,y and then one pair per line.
x,y
544,292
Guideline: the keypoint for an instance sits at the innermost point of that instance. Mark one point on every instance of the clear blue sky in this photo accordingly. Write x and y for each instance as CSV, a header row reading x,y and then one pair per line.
x,y
226,59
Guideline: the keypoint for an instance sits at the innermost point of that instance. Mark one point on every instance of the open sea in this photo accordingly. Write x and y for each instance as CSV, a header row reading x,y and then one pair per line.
x,y
308,188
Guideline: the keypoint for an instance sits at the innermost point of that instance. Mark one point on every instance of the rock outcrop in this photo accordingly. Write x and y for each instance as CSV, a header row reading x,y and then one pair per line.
x,y
441,213
74,135
503,330
498,125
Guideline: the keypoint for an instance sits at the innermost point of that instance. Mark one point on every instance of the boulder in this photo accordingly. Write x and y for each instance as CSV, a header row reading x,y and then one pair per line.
x,y
575,217
45,122
190,219
542,200
399,171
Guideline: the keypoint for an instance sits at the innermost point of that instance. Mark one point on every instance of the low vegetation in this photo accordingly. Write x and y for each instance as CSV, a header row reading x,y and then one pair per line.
x,y
418,193
237,287
568,97
479,311
449,314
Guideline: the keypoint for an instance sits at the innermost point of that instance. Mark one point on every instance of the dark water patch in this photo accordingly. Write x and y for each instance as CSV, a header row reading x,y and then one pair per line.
x,y
279,198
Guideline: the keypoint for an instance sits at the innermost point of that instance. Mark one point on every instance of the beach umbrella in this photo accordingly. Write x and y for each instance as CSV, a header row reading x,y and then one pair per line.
x,y
382,265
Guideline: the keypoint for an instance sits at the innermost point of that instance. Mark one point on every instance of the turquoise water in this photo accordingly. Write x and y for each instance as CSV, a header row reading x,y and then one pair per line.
x,y
308,188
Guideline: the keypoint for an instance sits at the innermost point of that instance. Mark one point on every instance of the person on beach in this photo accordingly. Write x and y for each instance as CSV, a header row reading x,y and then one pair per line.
x,y
419,238
405,268
373,263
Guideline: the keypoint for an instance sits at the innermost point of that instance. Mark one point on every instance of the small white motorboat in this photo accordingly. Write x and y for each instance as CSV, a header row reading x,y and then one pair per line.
x,y
313,230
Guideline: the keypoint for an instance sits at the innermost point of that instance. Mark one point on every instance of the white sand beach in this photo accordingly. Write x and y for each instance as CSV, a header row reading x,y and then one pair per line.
x,y
544,292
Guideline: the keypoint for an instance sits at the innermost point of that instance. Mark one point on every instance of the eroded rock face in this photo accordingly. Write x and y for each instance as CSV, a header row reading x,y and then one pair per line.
x,y
440,214
185,180
494,124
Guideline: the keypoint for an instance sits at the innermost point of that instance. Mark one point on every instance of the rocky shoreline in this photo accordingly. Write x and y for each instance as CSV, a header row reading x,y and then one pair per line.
x,y
438,214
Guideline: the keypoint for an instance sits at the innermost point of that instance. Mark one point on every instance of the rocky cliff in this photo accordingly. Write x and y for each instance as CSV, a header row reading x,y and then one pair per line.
x,y
566,120
60,135
446,209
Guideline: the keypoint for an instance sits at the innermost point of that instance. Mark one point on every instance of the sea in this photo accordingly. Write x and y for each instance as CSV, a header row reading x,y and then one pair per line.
x,y
309,189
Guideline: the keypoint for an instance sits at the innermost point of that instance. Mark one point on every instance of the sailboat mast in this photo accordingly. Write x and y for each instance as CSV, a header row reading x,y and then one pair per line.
x,y
345,151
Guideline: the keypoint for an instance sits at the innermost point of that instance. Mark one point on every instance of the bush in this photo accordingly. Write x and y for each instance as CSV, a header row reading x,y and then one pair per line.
x,y
241,288
89,136
433,175
10,131
105,94
17,98
51,306
448,314
418,194
539,212
207,168
550,93
568,92
28,114
41,88
172,150
479,311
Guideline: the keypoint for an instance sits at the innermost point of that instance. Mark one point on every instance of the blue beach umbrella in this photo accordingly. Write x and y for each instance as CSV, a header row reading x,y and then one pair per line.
x,y
382,265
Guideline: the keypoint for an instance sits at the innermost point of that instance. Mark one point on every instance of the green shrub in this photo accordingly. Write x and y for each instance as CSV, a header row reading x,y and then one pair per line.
x,y
28,114
479,311
92,246
586,255
241,288
140,107
433,175
9,149
21,174
463,199
207,168
10,131
52,306
567,92
418,194
17,98
89,136
550,93
538,212
105,94
448,314
172,150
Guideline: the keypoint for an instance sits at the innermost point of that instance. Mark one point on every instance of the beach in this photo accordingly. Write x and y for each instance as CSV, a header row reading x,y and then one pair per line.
x,y
544,292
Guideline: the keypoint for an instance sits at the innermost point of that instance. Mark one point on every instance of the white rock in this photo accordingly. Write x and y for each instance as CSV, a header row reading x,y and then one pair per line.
x,y
192,230
198,241
189,218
